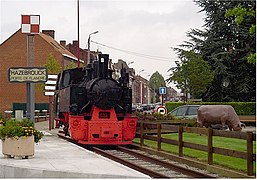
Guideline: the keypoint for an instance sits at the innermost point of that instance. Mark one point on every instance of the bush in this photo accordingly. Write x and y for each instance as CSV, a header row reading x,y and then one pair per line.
x,y
241,108
16,128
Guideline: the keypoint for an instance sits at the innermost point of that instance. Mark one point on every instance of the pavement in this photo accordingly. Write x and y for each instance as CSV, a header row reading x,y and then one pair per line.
x,y
56,158
249,128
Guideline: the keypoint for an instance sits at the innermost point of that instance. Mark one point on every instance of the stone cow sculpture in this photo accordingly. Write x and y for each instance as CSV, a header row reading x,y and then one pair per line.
x,y
208,115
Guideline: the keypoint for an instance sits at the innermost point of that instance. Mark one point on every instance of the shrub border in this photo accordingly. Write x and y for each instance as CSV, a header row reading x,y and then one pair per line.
x,y
241,108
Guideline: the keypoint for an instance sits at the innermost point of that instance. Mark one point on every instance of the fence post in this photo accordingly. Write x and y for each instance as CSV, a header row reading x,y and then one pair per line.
x,y
141,133
180,141
159,137
249,140
210,154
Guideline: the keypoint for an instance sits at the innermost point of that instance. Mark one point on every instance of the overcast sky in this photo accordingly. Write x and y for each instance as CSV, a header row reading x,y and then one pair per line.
x,y
139,31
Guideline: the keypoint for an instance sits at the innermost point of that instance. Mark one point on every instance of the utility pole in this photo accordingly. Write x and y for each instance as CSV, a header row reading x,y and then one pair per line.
x,y
78,50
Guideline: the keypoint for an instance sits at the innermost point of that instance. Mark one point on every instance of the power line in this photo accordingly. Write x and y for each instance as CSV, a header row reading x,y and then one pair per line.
x,y
156,58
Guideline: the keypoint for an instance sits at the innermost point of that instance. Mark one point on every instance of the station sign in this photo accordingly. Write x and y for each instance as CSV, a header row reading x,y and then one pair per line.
x,y
27,74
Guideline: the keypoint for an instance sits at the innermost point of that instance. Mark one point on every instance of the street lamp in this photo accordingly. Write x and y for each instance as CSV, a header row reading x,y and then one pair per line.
x,y
130,63
140,71
141,91
88,44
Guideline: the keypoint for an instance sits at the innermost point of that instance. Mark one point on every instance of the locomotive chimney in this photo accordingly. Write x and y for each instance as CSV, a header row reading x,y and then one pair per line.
x,y
104,64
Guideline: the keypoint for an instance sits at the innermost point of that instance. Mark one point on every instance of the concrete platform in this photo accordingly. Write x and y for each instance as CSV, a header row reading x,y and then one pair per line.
x,y
57,158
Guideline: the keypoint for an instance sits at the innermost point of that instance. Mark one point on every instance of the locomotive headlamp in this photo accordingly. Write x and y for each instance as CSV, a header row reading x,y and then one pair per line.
x,y
75,123
131,123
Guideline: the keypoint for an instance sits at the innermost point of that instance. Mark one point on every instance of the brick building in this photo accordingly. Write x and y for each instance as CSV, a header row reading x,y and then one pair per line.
x,y
13,53
73,48
142,90
83,53
139,85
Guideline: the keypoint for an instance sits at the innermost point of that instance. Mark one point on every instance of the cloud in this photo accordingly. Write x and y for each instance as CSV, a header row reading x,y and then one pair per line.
x,y
147,27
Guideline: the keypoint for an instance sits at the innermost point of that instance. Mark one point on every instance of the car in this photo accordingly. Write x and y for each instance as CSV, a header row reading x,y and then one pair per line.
x,y
185,111
134,108
190,112
139,108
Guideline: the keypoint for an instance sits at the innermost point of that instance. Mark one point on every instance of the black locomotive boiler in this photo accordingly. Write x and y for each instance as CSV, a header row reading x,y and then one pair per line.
x,y
94,108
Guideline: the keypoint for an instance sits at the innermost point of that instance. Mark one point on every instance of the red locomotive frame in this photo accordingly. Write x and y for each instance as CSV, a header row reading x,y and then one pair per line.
x,y
103,128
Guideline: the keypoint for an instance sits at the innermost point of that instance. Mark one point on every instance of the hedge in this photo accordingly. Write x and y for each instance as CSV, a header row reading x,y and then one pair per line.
x,y
241,108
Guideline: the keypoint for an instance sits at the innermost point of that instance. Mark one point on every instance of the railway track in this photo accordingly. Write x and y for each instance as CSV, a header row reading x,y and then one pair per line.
x,y
155,167
152,165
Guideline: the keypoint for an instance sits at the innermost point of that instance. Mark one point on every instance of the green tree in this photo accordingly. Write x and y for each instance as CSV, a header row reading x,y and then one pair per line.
x,y
156,81
71,65
242,16
193,75
53,67
225,45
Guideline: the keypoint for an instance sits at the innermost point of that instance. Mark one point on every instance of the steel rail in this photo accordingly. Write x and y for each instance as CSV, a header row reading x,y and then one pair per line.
x,y
139,168
183,170
144,170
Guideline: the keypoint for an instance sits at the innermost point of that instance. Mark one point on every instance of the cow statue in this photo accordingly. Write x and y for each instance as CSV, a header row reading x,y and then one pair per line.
x,y
208,115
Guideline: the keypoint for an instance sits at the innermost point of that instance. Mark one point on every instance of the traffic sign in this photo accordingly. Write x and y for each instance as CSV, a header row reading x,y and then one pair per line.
x,y
162,90
161,110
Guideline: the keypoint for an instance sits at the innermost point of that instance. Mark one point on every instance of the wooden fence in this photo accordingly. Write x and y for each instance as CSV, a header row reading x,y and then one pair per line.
x,y
250,137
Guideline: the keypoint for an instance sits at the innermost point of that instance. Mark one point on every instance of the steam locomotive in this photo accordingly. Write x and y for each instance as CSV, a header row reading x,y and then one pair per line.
x,y
92,107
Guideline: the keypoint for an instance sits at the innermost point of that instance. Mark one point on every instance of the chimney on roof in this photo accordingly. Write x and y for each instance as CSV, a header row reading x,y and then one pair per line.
x,y
75,43
49,33
63,43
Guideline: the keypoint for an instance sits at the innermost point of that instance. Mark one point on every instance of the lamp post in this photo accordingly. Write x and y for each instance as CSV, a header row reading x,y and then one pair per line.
x,y
88,44
141,91
140,71
130,63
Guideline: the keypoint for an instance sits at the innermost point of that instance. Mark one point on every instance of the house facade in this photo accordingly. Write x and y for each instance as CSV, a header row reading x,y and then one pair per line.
x,y
140,88
13,53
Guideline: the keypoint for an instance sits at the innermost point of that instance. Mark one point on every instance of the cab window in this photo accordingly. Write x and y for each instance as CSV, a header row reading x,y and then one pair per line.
x,y
65,79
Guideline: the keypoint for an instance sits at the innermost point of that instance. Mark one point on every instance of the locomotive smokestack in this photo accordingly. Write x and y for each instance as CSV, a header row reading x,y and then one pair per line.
x,y
104,60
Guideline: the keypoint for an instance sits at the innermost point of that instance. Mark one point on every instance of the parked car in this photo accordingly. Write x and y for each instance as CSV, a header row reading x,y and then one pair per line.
x,y
185,111
190,112
134,108
139,108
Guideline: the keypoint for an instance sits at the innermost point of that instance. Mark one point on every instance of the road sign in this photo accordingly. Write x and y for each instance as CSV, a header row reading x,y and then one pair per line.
x,y
161,110
162,90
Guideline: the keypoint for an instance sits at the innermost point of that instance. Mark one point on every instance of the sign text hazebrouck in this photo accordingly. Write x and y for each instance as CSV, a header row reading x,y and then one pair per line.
x,y
27,74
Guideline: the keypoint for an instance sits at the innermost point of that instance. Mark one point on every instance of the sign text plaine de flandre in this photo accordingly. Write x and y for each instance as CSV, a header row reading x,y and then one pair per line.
x,y
27,74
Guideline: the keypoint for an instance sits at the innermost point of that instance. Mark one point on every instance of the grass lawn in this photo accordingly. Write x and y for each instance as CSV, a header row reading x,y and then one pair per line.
x,y
221,142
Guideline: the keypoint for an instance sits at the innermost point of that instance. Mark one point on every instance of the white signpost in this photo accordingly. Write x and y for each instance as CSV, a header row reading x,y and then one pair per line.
x,y
49,91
